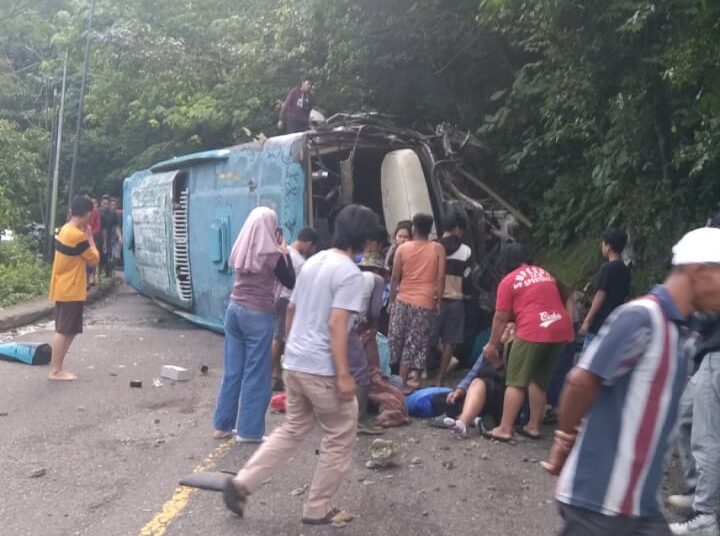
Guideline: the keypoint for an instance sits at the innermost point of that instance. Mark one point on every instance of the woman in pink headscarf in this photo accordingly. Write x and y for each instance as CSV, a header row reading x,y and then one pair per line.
x,y
260,259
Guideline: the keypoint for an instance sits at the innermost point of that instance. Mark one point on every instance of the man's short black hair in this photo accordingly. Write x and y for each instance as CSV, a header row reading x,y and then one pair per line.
x,y
423,224
308,234
512,257
616,239
106,197
454,219
81,206
353,226
379,234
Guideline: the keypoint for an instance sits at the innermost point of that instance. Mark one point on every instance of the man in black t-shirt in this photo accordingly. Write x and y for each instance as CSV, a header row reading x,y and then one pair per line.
x,y
612,284
109,227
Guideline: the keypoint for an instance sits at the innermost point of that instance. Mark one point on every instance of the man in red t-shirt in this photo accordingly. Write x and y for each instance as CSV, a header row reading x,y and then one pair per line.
x,y
531,296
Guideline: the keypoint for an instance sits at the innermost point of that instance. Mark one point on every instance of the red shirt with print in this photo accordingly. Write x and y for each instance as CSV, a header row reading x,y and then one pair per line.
x,y
532,294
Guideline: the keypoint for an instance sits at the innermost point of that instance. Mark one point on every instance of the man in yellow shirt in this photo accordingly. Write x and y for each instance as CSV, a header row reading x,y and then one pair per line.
x,y
74,250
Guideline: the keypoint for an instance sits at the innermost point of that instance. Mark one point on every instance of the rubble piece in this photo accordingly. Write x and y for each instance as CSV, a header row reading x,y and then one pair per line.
x,y
383,453
39,472
136,384
204,370
173,372
299,491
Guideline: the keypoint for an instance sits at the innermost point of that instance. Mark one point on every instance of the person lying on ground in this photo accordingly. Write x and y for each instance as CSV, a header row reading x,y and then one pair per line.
x,y
480,393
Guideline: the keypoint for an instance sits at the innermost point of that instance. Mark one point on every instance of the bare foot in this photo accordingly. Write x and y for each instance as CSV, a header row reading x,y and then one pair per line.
x,y
62,376
499,435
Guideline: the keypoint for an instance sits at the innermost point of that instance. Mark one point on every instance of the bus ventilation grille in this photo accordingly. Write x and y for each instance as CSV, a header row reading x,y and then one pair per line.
x,y
182,253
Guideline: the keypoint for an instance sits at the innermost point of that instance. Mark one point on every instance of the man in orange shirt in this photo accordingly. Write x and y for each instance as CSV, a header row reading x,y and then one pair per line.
x,y
74,251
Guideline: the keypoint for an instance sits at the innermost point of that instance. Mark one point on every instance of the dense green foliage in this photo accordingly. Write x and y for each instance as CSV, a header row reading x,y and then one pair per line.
x,y
599,113
22,274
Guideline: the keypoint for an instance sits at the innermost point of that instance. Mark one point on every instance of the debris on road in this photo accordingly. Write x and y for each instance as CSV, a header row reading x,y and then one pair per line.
x,y
4,414
204,370
29,353
416,461
175,373
383,453
300,490
157,382
136,384
39,472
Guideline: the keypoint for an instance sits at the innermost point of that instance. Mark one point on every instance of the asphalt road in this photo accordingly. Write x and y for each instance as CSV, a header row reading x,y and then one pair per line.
x,y
110,456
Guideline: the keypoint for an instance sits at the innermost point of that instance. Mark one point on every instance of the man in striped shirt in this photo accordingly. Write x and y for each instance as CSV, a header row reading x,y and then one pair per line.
x,y
626,390
450,322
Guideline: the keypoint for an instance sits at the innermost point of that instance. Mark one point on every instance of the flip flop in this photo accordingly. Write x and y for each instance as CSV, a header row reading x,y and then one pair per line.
x,y
335,515
520,430
234,497
490,435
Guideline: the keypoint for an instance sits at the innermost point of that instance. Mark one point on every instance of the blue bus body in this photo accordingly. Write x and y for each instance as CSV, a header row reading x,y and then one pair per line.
x,y
181,218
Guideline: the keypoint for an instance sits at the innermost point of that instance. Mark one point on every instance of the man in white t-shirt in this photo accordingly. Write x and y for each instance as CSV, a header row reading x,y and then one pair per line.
x,y
320,389
303,248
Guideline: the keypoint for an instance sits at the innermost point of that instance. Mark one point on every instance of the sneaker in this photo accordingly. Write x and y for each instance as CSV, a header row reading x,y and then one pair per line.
x,y
698,525
682,502
241,439
460,430
442,421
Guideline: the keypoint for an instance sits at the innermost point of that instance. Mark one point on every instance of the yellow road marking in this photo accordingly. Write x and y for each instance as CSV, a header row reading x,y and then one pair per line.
x,y
177,503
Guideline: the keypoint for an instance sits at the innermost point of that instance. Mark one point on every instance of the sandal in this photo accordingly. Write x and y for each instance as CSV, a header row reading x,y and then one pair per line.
x,y
334,516
235,497
490,435
221,434
523,432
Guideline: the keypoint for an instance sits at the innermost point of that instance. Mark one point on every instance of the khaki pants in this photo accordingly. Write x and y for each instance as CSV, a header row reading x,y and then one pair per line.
x,y
310,399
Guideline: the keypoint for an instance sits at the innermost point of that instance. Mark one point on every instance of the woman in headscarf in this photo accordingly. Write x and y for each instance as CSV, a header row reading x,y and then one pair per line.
x,y
261,261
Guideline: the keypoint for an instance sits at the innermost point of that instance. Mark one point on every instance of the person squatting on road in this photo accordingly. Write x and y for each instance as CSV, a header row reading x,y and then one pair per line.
x,y
317,378
416,288
363,352
75,250
261,261
620,403
531,296
303,248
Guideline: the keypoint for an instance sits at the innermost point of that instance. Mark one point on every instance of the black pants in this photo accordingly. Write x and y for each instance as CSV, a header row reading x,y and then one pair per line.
x,y
106,261
582,522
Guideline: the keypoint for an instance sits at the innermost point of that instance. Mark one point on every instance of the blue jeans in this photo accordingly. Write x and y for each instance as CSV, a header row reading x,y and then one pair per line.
x,y
706,434
246,388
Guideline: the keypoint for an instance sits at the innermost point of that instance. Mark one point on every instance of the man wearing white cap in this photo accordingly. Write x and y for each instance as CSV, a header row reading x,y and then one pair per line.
x,y
620,403
699,434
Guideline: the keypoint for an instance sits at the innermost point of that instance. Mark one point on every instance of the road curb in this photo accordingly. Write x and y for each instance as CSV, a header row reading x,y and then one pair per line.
x,y
31,311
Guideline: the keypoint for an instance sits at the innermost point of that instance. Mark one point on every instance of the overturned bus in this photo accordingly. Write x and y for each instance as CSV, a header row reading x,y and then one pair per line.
x,y
181,216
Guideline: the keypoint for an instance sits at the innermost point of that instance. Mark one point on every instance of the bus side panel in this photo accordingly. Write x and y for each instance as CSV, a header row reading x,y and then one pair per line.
x,y
221,195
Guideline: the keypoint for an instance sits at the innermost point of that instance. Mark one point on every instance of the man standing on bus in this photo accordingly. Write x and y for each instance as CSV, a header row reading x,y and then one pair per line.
x,y
295,111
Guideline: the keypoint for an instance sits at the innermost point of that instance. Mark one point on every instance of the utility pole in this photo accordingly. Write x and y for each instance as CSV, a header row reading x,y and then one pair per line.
x,y
78,127
56,173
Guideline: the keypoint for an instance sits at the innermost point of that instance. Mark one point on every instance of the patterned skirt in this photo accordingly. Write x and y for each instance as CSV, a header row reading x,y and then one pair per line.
x,y
410,335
